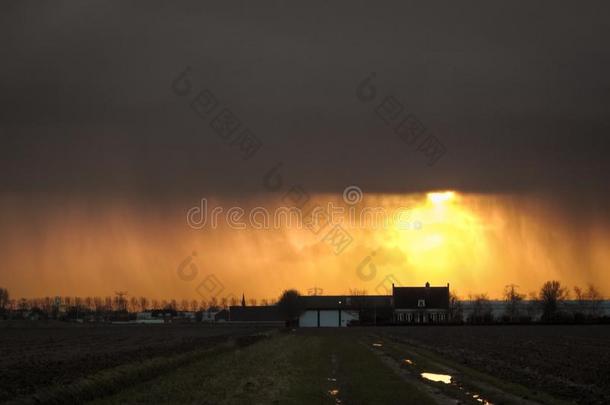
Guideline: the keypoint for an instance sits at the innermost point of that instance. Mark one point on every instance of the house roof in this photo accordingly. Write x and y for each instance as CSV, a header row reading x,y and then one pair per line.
x,y
408,297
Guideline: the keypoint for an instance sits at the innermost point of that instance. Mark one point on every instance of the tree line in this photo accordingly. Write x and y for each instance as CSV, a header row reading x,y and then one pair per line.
x,y
552,303
549,304
67,306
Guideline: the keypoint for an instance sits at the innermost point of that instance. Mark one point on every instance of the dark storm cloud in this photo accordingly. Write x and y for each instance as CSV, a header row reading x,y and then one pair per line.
x,y
518,93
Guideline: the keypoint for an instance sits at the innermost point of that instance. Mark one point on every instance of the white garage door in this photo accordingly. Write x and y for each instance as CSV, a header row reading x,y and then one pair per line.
x,y
329,318
308,319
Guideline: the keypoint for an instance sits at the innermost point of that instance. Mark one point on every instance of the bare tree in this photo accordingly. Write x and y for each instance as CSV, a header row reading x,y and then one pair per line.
x,y
581,304
456,312
98,304
108,304
588,302
143,303
47,305
595,299
4,299
551,295
514,302
89,303
24,304
481,309
134,304
252,302
121,300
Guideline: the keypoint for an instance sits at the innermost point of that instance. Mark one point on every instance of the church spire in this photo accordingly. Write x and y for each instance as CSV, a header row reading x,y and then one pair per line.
x,y
243,300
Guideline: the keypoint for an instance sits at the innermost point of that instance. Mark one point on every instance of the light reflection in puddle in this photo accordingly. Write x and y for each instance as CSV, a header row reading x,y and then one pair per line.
x,y
333,393
479,399
378,344
444,378
447,379
409,362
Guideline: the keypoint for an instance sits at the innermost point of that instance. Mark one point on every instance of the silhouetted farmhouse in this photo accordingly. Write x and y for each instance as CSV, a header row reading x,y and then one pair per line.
x,y
421,304
405,305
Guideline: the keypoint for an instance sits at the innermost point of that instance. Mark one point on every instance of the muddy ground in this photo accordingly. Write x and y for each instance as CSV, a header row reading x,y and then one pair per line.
x,y
39,354
571,362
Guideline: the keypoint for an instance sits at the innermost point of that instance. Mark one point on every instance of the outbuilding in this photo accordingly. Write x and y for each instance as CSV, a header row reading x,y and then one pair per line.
x,y
337,310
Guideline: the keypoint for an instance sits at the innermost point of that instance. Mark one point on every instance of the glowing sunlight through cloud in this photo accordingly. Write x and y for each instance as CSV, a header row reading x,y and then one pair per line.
x,y
476,242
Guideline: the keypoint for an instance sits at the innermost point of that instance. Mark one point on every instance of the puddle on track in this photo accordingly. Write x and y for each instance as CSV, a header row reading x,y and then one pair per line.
x,y
444,378
334,393
447,379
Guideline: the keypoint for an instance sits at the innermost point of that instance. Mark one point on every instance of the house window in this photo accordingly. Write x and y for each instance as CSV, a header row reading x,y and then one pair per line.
x,y
421,303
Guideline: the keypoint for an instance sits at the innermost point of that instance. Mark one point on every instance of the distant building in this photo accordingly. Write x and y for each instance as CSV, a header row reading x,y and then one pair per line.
x,y
421,304
147,318
222,315
209,315
261,314
185,316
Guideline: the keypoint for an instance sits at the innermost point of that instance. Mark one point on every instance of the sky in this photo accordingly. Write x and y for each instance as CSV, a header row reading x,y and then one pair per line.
x,y
105,145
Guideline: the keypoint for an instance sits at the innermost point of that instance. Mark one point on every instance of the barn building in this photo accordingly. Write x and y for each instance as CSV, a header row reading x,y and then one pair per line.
x,y
257,314
344,310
